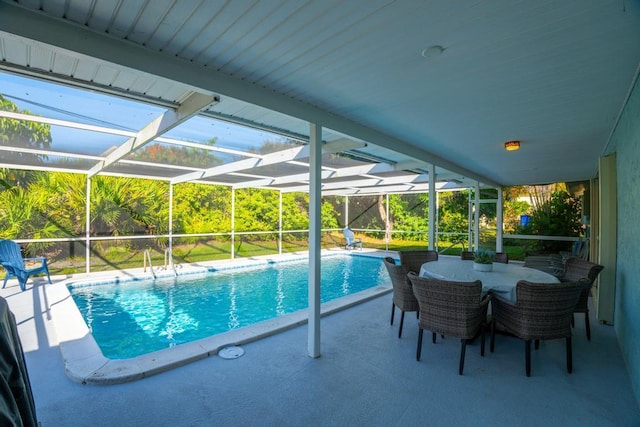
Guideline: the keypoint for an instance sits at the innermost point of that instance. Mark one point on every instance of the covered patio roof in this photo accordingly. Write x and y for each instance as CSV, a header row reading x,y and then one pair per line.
x,y
396,86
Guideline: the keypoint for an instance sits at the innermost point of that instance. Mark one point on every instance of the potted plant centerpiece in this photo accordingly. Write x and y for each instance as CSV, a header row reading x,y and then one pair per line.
x,y
483,260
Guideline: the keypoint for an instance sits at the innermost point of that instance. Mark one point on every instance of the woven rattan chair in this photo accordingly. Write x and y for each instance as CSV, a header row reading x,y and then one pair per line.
x,y
501,257
466,255
577,269
542,311
450,308
551,263
403,297
413,260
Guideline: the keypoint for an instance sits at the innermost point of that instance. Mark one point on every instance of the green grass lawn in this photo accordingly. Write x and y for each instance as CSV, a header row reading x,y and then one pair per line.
x,y
123,255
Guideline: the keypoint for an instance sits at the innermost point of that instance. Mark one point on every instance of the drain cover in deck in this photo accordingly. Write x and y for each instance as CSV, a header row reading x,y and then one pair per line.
x,y
231,352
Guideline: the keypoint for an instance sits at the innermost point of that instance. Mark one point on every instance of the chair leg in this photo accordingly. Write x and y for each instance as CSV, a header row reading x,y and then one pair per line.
x,y
527,357
482,336
463,346
537,344
433,337
419,344
569,356
393,311
401,323
492,340
587,326
573,320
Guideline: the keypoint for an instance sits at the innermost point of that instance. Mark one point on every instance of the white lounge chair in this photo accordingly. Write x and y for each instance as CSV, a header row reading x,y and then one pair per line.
x,y
350,239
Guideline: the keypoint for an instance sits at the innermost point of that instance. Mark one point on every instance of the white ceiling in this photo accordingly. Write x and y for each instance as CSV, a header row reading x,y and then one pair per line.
x,y
553,74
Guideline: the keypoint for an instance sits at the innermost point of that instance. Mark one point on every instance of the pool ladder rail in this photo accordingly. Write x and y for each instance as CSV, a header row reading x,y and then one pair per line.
x,y
168,261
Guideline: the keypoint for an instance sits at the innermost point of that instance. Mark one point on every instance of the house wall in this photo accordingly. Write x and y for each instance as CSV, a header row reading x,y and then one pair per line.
x,y
626,142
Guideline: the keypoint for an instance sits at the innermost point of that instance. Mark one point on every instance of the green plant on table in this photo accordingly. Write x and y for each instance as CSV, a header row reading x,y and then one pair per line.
x,y
483,256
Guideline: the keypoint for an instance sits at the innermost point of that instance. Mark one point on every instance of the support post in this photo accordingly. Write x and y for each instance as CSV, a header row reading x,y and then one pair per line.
x,y
476,219
346,211
499,221
170,225
87,233
432,205
315,192
280,225
233,221
388,232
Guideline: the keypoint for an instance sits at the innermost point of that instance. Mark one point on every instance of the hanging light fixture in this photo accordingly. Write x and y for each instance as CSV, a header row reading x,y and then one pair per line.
x,y
512,145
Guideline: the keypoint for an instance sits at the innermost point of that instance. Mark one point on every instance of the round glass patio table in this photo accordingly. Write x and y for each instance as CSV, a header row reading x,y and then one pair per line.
x,y
501,280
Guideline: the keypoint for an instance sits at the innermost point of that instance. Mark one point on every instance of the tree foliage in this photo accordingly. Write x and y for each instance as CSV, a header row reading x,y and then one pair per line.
x,y
555,215
23,134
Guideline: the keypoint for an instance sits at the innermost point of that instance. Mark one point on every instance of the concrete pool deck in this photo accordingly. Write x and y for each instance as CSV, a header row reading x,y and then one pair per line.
x,y
85,363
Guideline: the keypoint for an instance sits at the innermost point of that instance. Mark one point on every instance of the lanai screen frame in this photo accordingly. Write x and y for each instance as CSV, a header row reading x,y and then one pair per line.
x,y
358,176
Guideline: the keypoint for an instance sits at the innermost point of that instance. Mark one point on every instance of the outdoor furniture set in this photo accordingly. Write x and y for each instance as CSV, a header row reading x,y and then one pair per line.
x,y
453,299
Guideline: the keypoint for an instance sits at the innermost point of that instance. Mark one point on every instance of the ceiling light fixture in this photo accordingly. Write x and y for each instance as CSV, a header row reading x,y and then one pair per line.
x,y
512,145
432,51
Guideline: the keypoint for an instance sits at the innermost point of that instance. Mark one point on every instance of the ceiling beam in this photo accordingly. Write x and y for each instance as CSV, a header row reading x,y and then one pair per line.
x,y
18,21
64,123
245,164
165,122
301,152
365,183
367,169
382,189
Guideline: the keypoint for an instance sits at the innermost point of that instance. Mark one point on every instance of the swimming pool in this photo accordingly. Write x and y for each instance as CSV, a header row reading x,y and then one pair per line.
x,y
136,317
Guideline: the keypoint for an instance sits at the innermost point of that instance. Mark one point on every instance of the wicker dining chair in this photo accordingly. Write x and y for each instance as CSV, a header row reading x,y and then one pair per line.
x,y
413,260
450,308
501,257
403,297
576,269
466,255
542,311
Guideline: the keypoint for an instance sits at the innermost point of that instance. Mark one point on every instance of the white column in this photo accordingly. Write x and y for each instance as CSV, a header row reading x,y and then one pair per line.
x,y
499,220
233,222
315,192
432,206
280,226
476,219
170,225
346,211
87,233
469,222
388,232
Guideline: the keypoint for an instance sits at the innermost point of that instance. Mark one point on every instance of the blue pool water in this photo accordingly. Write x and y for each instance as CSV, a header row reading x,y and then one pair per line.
x,y
138,317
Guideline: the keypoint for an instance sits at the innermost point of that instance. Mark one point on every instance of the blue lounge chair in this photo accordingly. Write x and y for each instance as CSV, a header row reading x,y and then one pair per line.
x,y
350,239
12,261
